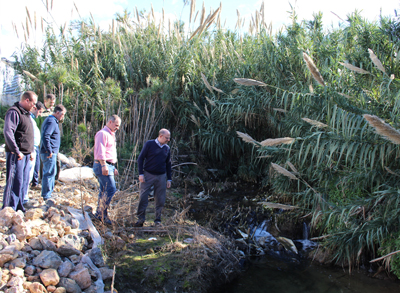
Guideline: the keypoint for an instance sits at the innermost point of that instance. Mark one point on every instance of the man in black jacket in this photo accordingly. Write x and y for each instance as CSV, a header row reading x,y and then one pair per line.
x,y
19,137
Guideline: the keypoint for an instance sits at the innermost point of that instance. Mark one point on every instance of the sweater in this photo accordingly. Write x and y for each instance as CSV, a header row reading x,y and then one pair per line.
x,y
154,159
50,139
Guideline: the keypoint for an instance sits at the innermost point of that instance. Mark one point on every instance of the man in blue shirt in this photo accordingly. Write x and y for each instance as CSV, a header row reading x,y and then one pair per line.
x,y
154,169
49,147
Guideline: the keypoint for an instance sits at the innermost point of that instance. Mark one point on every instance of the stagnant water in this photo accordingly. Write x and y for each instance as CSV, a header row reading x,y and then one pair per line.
x,y
269,274
313,279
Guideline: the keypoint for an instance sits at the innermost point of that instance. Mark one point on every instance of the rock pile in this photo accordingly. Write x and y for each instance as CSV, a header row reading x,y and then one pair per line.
x,y
45,251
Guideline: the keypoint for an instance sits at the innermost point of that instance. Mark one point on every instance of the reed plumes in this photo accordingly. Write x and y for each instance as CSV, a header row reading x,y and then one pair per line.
x,y
354,68
383,128
283,171
204,78
248,82
313,69
315,123
376,61
277,141
247,138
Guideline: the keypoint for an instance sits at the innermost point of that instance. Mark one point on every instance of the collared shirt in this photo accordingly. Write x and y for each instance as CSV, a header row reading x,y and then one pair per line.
x,y
36,131
105,145
159,144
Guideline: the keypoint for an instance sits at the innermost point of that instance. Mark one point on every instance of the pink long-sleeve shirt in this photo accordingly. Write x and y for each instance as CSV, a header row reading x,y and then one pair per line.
x,y
105,146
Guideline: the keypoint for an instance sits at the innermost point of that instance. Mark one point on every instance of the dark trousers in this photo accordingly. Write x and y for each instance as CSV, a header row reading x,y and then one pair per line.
x,y
160,186
35,179
17,181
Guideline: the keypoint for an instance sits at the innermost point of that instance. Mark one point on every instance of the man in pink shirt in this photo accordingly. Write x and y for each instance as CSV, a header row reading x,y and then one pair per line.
x,y
105,159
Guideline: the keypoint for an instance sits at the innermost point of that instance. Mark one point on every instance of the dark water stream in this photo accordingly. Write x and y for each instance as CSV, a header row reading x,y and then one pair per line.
x,y
270,274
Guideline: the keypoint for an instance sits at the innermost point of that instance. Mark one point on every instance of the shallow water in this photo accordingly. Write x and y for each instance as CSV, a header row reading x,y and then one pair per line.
x,y
269,275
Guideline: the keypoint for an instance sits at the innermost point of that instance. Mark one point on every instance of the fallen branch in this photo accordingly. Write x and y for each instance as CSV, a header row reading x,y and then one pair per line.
x,y
385,256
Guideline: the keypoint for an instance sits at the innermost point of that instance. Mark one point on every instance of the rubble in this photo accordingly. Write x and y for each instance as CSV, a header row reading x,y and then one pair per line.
x,y
47,248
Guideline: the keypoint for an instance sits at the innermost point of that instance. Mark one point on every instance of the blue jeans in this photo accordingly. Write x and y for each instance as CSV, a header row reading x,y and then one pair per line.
x,y
49,174
107,189
35,179
17,181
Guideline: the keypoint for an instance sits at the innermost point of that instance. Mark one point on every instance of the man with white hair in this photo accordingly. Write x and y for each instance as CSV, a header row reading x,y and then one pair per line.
x,y
154,171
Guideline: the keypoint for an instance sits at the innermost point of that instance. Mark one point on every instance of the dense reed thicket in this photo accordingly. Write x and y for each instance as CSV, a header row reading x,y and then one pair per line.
x,y
298,97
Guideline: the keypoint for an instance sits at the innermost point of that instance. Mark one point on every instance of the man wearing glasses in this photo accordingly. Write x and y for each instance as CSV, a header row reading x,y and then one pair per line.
x,y
18,134
154,170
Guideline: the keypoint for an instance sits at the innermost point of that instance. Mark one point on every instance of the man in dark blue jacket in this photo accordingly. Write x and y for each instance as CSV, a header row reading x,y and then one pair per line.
x,y
18,134
49,147
154,170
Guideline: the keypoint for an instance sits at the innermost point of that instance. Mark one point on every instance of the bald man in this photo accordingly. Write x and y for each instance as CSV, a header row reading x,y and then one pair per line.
x,y
154,170
19,136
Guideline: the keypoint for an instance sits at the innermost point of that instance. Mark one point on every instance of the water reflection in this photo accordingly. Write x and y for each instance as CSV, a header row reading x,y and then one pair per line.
x,y
269,275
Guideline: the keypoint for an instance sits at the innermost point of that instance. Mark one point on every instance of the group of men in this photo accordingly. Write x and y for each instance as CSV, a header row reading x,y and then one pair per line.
x,y
25,143
29,145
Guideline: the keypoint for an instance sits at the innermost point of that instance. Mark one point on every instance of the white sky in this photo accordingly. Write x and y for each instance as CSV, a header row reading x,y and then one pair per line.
x,y
276,12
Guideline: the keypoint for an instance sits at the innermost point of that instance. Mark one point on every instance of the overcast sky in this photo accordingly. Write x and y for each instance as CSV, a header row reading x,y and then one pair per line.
x,y
276,12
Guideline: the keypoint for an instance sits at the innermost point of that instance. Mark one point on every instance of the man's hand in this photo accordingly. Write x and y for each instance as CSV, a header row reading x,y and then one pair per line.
x,y
20,156
168,184
104,170
32,158
51,154
115,172
141,178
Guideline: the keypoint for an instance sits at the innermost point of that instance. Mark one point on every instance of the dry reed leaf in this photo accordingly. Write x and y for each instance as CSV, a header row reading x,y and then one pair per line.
x,y
195,120
29,16
310,87
283,171
346,96
30,75
203,77
248,82
280,206
313,69
383,128
391,172
211,102
246,138
279,110
291,166
277,141
192,9
217,89
207,113
392,77
354,68
376,61
315,123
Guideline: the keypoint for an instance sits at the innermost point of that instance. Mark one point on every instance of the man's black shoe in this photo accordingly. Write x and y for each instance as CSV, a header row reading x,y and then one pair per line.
x,y
138,224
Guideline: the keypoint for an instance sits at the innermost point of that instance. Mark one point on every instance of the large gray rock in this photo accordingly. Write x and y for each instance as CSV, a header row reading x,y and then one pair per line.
x,y
106,273
70,285
67,250
75,241
47,244
47,259
65,268
81,276
96,257
36,244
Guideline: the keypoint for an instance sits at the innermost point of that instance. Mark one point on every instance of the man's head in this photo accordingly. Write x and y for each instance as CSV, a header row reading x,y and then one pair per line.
x,y
38,109
28,100
59,112
114,122
164,136
49,101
